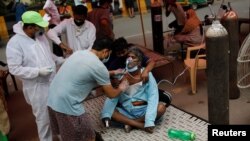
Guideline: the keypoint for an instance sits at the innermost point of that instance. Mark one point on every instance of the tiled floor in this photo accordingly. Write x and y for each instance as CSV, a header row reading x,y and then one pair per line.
x,y
23,126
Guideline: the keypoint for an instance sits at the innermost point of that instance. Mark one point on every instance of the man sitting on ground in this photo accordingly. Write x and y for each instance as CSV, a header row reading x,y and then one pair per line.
x,y
138,106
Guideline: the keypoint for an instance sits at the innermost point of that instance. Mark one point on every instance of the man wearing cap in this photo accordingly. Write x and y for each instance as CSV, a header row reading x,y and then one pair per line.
x,y
30,59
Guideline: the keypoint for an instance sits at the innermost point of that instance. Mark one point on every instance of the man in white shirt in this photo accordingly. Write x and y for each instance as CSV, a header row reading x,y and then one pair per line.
x,y
80,33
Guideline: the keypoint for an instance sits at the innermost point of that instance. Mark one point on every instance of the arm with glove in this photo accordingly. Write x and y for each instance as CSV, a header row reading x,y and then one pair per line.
x,y
45,71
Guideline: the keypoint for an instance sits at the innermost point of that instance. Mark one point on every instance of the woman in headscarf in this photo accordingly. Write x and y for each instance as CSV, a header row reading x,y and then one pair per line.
x,y
177,10
192,30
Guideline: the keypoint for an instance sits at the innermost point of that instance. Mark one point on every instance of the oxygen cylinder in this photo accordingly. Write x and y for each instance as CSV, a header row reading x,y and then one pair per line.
x,y
230,22
217,73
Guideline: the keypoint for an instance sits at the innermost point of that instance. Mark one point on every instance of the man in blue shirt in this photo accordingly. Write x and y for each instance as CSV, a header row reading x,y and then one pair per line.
x,y
82,71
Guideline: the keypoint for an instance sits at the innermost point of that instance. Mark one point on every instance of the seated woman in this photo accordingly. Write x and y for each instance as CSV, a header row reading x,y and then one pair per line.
x,y
192,31
138,106
178,11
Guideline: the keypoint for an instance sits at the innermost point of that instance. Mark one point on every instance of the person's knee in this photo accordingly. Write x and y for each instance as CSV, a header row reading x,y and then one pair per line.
x,y
161,108
165,97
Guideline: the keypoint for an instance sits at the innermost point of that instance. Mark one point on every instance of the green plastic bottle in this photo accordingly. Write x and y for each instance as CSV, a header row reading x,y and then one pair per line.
x,y
181,135
3,137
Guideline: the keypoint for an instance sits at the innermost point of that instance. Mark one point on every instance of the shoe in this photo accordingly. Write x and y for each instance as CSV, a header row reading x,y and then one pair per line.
x,y
165,97
127,128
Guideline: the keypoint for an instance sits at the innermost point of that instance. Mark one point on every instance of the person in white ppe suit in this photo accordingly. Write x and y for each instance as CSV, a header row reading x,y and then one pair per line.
x,y
30,59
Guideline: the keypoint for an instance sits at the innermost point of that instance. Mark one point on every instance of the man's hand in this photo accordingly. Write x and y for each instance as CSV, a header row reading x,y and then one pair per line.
x,y
144,76
123,85
115,82
65,48
118,71
149,129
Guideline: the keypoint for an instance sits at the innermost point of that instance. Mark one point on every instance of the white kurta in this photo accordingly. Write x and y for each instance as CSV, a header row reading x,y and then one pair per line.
x,y
78,38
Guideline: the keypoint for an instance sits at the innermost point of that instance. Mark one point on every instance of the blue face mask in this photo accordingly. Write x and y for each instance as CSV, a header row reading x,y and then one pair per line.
x,y
105,60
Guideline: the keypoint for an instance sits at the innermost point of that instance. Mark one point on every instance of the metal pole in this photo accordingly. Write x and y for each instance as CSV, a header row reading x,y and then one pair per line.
x,y
142,25
217,73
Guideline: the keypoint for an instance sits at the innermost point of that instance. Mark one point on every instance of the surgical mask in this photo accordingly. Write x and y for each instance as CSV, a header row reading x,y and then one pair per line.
x,y
132,69
40,32
105,60
79,23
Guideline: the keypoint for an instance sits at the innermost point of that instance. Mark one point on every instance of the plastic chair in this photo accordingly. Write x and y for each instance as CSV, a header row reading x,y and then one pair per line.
x,y
194,64
3,78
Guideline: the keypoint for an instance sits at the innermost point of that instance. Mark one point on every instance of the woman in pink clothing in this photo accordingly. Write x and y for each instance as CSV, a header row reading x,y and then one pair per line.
x,y
51,9
192,31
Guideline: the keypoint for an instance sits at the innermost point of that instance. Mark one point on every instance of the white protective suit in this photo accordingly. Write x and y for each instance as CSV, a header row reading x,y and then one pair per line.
x,y
25,57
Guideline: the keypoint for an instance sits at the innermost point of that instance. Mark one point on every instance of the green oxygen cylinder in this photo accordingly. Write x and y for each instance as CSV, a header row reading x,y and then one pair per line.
x,y
181,135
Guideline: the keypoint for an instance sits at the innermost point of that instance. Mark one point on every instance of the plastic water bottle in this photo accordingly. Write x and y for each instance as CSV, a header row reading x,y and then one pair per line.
x,y
181,135
3,137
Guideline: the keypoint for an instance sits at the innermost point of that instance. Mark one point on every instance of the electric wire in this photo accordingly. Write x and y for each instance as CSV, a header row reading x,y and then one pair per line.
x,y
172,83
